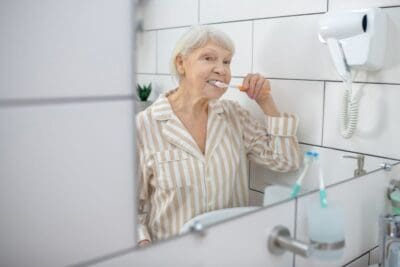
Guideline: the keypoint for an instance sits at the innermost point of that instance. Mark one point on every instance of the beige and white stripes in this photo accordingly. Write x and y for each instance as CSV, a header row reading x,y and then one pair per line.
x,y
178,182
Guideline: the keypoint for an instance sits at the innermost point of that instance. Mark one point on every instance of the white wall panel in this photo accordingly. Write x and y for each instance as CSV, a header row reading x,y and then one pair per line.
x,y
65,48
335,169
351,4
146,53
166,41
289,47
66,182
378,128
229,10
160,14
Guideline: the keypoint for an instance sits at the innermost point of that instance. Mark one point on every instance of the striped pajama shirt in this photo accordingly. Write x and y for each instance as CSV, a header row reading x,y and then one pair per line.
x,y
178,182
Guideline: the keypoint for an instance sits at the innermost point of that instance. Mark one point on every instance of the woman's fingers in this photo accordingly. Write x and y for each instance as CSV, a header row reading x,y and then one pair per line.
x,y
256,86
253,85
259,87
246,82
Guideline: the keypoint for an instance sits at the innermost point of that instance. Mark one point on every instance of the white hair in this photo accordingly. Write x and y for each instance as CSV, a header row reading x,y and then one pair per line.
x,y
197,37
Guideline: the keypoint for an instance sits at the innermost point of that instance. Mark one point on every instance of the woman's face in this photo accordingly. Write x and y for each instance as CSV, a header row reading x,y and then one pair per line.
x,y
203,65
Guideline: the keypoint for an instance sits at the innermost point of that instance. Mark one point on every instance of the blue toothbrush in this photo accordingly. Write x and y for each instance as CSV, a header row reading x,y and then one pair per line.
x,y
308,158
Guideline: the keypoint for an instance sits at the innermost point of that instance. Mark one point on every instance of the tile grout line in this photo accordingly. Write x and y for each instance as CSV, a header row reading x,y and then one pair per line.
x,y
323,113
252,46
350,151
289,79
254,19
62,101
157,51
240,20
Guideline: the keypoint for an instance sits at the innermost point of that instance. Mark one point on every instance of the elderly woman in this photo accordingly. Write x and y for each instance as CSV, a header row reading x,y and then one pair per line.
x,y
194,147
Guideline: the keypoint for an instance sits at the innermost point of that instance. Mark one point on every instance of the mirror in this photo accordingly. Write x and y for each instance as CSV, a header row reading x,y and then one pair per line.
x,y
185,187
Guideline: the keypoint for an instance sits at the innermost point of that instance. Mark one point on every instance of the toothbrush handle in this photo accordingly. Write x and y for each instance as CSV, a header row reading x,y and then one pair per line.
x,y
322,198
240,87
295,190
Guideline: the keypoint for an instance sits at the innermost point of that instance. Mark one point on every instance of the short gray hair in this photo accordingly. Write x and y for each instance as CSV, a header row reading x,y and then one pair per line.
x,y
197,37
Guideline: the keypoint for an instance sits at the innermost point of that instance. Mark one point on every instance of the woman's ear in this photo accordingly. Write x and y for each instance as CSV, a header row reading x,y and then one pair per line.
x,y
179,65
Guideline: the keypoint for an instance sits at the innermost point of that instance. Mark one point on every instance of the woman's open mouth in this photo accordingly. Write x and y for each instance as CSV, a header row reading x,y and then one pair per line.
x,y
217,84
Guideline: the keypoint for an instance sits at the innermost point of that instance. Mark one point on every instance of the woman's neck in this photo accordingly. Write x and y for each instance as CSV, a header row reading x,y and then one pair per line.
x,y
183,101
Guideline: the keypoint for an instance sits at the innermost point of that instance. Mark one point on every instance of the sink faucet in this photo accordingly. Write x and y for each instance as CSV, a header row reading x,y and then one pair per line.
x,y
360,164
389,241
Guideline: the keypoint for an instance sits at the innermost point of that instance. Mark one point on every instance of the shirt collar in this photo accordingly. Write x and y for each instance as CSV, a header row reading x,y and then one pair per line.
x,y
162,110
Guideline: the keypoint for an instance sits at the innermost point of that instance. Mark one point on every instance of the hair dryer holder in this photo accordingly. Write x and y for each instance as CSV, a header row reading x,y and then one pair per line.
x,y
355,39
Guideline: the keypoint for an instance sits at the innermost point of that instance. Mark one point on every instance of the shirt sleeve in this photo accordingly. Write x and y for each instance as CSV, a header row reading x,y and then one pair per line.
x,y
274,145
144,174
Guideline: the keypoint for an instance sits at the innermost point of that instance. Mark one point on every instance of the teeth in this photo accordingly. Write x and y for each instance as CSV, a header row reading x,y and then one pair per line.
x,y
217,83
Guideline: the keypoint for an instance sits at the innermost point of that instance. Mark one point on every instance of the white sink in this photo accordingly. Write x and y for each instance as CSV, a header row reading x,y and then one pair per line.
x,y
215,216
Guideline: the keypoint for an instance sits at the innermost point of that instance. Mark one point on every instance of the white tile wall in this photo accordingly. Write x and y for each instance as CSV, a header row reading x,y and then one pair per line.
x,y
378,128
172,13
288,47
304,98
59,182
281,60
361,214
52,54
160,83
330,159
350,4
361,262
241,35
146,55
166,41
229,10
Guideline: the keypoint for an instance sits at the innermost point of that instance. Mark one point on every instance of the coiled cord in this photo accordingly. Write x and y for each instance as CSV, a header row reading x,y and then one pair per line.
x,y
349,113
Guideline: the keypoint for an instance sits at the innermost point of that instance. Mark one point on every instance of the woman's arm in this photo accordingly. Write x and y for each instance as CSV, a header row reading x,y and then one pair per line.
x,y
276,144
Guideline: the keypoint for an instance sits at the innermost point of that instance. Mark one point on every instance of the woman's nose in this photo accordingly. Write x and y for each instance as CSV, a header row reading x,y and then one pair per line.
x,y
220,69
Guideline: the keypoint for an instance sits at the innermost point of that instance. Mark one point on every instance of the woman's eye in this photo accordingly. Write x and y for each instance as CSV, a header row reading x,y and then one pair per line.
x,y
209,58
227,62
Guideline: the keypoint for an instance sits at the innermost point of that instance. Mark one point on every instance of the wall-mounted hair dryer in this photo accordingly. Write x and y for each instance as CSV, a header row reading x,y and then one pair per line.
x,y
356,40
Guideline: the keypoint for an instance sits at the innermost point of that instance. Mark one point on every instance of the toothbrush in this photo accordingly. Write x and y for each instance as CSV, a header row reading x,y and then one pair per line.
x,y
308,158
224,85
322,192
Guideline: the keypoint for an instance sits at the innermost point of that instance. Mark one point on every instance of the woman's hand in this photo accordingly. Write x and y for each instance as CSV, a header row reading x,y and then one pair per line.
x,y
258,88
